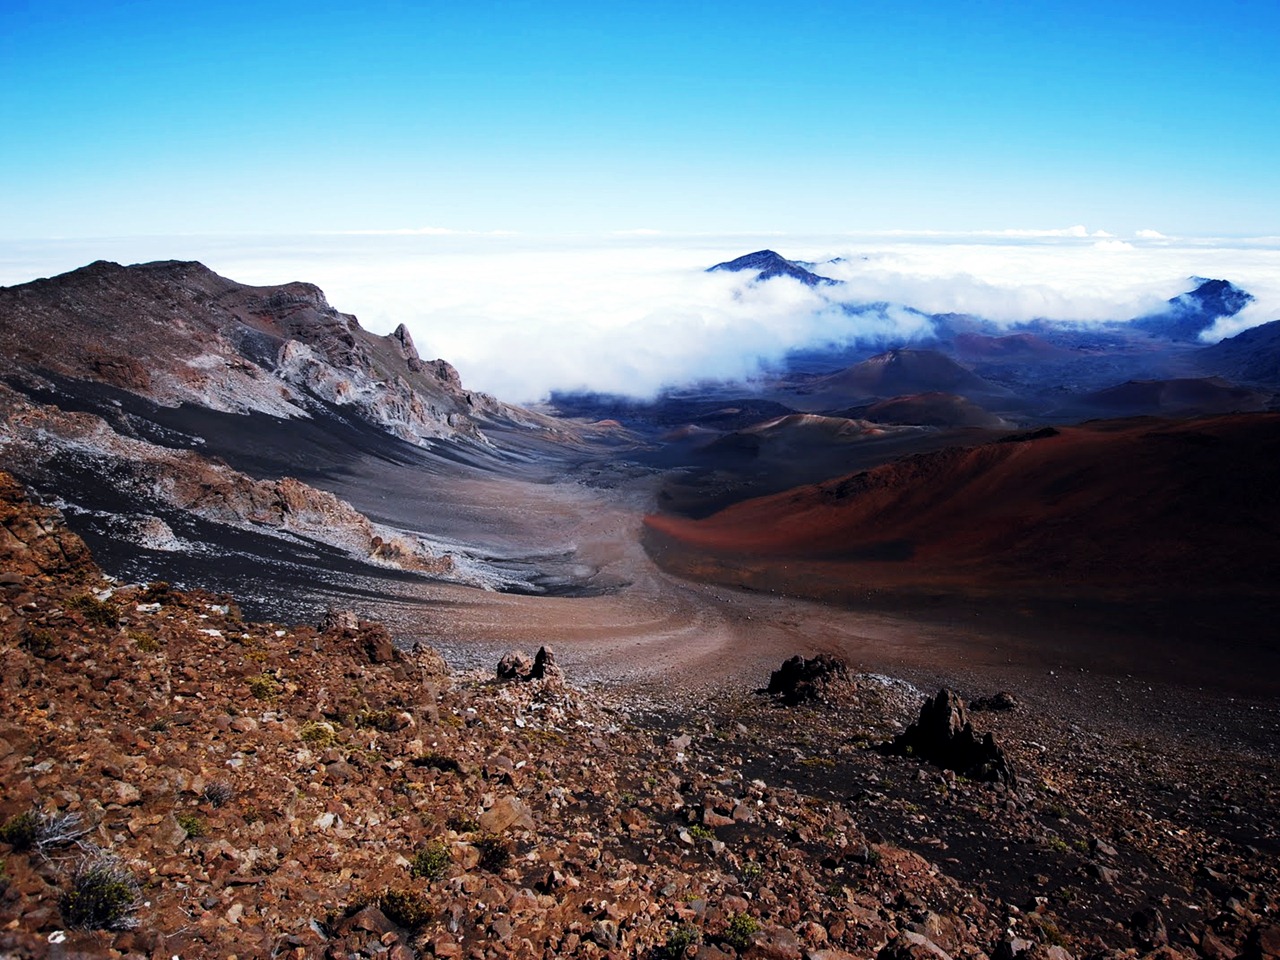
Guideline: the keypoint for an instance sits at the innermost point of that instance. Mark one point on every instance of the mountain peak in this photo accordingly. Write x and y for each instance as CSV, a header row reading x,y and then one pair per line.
x,y
768,264
1190,314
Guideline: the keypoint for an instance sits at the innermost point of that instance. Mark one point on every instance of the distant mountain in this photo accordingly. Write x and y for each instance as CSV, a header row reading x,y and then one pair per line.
x,y
1252,356
766,265
1190,314
900,372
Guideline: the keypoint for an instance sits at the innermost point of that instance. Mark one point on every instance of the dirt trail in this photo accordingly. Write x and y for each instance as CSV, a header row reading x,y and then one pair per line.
x,y
663,633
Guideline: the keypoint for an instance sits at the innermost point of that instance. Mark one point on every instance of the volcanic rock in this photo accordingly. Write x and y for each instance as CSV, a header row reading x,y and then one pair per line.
x,y
1004,700
816,678
944,736
517,665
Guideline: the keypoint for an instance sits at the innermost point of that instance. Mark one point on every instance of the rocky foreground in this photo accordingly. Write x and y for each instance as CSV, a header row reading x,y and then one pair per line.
x,y
175,781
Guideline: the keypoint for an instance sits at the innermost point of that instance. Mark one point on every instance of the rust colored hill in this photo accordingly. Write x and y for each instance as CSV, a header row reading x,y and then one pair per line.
x,y
1118,505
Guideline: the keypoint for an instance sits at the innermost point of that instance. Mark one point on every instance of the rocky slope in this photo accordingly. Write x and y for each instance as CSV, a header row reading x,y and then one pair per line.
x,y
177,781
176,332
174,410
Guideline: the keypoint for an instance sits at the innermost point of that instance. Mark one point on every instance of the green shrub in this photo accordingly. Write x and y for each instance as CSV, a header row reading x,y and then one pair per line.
x,y
679,940
193,825
405,908
738,933
97,612
40,643
699,832
103,896
22,831
430,862
318,732
264,686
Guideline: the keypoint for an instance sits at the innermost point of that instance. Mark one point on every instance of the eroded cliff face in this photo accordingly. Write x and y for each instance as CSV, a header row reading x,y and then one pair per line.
x,y
178,333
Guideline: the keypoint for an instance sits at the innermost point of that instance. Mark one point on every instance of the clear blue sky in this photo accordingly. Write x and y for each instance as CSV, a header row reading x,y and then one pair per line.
x,y
549,117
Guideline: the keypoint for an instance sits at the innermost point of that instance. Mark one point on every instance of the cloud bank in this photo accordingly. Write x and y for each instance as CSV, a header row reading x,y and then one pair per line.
x,y
635,311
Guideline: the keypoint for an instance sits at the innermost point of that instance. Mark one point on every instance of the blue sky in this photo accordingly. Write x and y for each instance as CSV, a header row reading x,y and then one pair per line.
x,y
160,118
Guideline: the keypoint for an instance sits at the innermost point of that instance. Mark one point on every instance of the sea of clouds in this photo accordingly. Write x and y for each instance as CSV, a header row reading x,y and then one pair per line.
x,y
635,311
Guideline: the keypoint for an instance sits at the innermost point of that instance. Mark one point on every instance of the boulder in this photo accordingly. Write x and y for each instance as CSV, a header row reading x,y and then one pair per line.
x,y
943,735
799,680
516,665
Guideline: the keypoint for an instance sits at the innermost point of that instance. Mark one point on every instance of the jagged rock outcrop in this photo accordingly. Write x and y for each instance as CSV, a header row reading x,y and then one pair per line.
x,y
817,678
176,332
943,735
517,665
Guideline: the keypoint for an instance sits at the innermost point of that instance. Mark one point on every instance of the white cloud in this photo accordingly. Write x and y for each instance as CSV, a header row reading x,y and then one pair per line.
x,y
520,316
1150,235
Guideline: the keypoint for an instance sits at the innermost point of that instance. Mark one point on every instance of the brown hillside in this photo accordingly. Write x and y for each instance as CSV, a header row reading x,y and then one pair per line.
x,y
1122,503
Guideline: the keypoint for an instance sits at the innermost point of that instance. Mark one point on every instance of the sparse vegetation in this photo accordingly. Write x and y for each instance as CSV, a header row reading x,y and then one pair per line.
x,y
192,824
319,733
40,831
265,686
103,896
679,940
21,831
430,862
144,642
40,643
383,720
737,933
95,611
461,824
699,832
405,908
218,794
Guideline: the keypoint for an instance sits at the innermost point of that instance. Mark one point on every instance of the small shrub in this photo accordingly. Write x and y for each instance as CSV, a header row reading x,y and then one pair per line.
x,y
22,831
383,720
218,794
679,940
103,896
98,612
264,686
159,725
193,825
157,592
144,642
738,933
699,832
40,643
495,852
430,862
405,908
38,830
461,824
752,870
318,732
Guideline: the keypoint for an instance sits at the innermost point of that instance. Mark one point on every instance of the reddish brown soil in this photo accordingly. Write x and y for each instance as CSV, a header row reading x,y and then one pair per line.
x,y
1126,505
